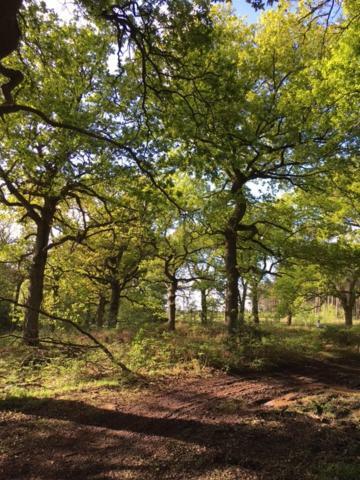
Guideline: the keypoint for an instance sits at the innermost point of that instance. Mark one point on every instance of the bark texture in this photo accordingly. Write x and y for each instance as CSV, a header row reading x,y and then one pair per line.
x,y
9,41
348,301
255,303
100,312
171,300
204,313
242,303
231,267
37,273
232,277
114,306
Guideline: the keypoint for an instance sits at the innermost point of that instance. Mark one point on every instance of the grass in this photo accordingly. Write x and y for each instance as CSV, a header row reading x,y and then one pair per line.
x,y
338,406
25,372
151,350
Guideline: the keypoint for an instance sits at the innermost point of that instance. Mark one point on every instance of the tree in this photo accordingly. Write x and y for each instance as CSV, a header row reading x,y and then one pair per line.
x,y
202,268
113,257
326,239
136,24
291,288
174,250
45,172
177,240
259,120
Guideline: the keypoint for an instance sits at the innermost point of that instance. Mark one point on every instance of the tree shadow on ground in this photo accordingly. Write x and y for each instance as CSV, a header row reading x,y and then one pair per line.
x,y
330,374
58,439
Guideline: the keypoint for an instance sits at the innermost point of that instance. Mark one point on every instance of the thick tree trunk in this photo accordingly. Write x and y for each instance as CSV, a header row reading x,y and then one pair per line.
x,y
242,303
348,310
100,312
9,41
231,268
5,317
348,300
114,306
203,316
289,318
10,32
255,303
232,288
171,300
37,272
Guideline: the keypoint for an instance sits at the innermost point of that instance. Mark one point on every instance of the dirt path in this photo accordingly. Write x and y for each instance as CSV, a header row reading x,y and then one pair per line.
x,y
224,427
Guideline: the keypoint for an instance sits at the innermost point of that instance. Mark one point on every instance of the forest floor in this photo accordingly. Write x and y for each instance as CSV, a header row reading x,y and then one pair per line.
x,y
295,423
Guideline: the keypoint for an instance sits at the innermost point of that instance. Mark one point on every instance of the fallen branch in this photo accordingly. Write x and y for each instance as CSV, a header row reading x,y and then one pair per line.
x,y
78,328
67,344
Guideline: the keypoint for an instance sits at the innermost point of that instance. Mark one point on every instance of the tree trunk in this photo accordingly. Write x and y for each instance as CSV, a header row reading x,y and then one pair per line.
x,y
230,233
172,288
232,276
100,312
348,300
203,316
242,303
255,303
289,318
348,315
114,303
37,272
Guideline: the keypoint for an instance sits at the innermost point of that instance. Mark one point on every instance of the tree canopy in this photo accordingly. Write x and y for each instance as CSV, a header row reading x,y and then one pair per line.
x,y
174,144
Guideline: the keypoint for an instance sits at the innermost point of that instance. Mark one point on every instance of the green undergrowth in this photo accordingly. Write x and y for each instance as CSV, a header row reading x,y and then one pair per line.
x,y
152,351
331,407
338,471
266,347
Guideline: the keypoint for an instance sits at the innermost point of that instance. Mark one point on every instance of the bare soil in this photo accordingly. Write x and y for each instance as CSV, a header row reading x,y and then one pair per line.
x,y
291,425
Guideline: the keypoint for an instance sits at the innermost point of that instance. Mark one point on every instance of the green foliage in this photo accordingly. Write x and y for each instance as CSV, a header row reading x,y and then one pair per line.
x,y
341,336
159,159
25,372
192,350
209,149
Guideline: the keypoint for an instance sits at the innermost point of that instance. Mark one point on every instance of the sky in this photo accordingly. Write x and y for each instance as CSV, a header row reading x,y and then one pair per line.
x,y
244,9
62,7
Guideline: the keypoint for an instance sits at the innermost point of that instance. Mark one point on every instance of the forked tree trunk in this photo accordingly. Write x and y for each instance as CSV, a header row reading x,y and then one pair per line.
x,y
171,301
203,316
114,306
37,273
231,268
232,287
